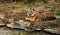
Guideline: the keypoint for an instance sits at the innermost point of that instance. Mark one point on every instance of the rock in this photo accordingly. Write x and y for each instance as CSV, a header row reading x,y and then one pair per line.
x,y
10,20
29,30
57,16
23,24
32,26
37,25
13,25
54,30
2,16
44,25
2,23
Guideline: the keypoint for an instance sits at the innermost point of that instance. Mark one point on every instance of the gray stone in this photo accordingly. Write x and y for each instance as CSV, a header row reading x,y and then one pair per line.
x,y
38,25
23,24
54,30
51,26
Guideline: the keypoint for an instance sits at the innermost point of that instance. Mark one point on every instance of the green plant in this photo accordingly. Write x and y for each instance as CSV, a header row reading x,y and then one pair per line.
x,y
57,12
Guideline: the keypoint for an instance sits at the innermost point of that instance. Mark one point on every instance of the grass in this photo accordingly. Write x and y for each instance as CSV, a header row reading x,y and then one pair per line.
x,y
21,3
24,3
57,13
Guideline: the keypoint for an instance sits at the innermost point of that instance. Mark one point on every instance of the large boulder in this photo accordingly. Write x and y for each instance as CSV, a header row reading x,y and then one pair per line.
x,y
31,26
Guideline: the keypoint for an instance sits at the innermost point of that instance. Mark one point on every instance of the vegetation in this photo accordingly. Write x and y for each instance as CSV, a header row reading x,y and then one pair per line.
x,y
24,0
57,13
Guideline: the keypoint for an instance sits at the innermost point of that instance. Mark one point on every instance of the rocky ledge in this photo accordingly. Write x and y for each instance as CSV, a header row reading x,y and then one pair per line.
x,y
29,26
